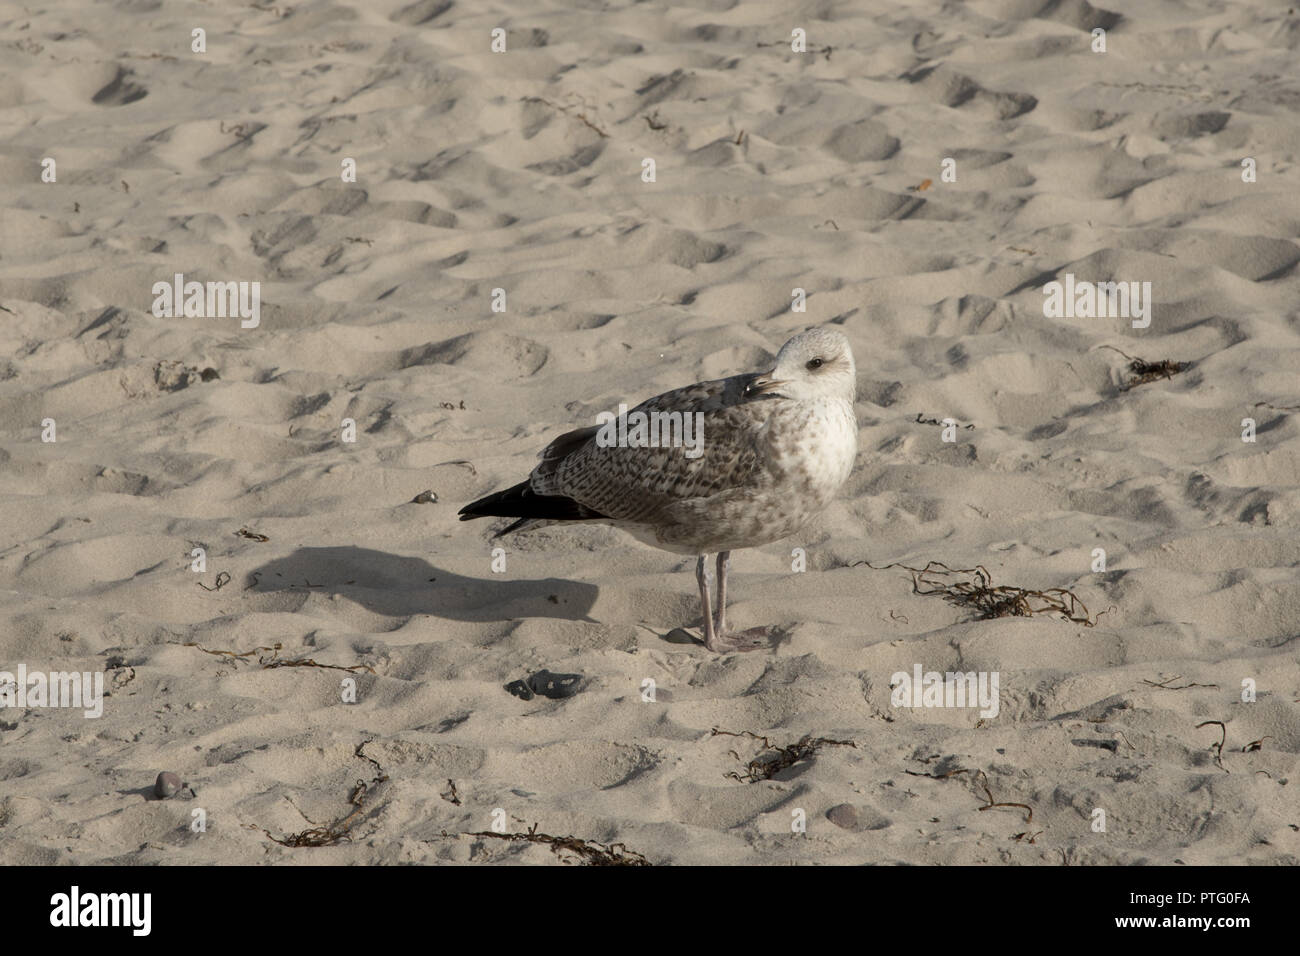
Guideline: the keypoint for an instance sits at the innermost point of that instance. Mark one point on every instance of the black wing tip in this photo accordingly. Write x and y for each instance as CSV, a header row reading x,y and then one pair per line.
x,y
499,504
521,502
471,511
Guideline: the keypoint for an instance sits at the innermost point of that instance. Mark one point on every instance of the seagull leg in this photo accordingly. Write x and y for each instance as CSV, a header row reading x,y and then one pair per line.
x,y
702,576
724,565
716,637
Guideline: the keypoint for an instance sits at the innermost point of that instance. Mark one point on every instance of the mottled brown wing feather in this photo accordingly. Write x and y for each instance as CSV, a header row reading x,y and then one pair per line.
x,y
632,484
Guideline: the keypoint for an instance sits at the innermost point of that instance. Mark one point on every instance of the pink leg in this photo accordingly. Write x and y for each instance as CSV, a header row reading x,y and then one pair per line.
x,y
702,577
724,565
716,637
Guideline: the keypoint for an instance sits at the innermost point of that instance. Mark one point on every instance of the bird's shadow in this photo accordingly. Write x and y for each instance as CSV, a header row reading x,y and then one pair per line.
x,y
398,586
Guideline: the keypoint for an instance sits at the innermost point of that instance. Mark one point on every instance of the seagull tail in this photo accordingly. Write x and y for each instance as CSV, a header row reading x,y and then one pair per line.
x,y
520,501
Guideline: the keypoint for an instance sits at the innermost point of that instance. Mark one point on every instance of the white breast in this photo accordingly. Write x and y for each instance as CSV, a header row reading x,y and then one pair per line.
x,y
818,439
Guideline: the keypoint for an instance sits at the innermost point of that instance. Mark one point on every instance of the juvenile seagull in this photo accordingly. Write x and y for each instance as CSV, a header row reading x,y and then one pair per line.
x,y
777,446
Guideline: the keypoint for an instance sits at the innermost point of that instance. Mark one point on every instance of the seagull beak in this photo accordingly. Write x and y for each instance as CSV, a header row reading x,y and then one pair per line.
x,y
765,383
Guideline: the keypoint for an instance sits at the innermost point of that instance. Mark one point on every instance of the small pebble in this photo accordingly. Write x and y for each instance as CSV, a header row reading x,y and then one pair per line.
x,y
166,784
425,498
844,816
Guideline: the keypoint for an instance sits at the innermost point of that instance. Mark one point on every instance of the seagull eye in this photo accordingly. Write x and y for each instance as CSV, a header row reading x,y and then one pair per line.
x,y
814,363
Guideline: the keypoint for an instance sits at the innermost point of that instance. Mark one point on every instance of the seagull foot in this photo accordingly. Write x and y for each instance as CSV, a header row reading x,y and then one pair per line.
x,y
752,639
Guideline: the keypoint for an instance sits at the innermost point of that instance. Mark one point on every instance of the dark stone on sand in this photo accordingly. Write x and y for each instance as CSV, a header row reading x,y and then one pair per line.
x,y
844,816
554,686
166,785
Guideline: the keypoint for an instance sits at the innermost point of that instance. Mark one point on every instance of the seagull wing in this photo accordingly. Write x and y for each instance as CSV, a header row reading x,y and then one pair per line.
x,y
634,483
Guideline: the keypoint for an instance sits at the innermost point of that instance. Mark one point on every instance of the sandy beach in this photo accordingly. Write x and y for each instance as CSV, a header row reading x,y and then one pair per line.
x,y
460,254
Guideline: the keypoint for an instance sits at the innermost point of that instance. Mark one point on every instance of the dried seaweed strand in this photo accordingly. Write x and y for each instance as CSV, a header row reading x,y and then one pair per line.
x,y
1164,684
988,794
1148,371
340,829
568,111
765,766
236,655
989,601
589,852
1218,748
223,578
275,661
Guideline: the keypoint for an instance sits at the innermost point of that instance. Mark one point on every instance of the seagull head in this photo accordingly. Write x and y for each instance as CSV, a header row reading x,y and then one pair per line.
x,y
814,364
